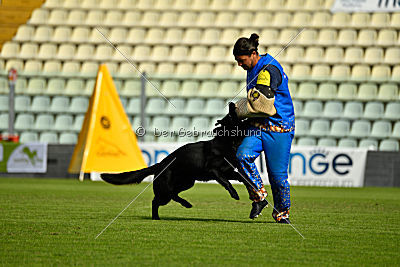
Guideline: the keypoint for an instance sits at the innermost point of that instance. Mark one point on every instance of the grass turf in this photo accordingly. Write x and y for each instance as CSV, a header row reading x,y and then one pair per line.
x,y
55,222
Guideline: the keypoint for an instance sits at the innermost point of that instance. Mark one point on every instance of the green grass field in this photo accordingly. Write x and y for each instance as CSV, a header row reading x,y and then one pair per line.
x,y
55,222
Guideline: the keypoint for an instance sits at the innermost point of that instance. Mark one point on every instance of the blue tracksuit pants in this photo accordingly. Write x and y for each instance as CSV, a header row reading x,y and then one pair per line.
x,y
276,147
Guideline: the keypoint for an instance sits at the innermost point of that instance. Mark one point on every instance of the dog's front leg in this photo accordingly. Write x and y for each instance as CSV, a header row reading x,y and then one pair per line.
x,y
225,183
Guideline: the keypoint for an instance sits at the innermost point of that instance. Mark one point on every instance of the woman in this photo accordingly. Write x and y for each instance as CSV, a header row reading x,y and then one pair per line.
x,y
269,107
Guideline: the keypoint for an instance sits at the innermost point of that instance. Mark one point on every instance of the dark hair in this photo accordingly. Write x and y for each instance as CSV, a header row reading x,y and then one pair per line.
x,y
245,46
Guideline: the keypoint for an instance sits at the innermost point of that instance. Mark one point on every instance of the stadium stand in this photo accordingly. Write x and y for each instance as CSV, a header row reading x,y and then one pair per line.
x,y
343,69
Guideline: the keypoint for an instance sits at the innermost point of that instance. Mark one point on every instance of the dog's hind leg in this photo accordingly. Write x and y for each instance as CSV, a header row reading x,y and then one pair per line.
x,y
182,201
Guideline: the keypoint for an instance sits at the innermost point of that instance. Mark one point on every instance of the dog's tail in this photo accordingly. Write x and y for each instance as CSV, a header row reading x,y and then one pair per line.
x,y
132,177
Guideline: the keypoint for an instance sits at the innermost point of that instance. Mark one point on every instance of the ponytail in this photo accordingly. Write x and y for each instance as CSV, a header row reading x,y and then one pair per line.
x,y
245,46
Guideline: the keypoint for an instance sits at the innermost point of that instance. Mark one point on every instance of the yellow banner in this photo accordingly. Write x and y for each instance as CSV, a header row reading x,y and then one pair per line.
x,y
106,142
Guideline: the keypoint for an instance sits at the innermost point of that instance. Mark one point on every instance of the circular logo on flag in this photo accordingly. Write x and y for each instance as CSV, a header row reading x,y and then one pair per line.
x,y
105,122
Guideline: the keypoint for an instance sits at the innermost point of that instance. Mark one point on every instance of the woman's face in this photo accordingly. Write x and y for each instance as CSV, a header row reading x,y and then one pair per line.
x,y
247,62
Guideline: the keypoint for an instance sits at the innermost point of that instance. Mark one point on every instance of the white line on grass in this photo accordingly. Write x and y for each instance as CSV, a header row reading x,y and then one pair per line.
x,y
134,198
257,190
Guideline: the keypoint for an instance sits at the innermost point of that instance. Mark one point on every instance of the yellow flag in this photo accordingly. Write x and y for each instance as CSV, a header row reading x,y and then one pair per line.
x,y
106,142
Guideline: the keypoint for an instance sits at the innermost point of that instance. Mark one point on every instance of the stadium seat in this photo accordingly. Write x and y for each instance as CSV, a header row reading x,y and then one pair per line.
x,y
102,53
294,54
386,37
79,105
392,111
353,55
347,91
360,129
74,87
16,64
10,50
203,70
59,104
22,103
28,51
282,19
327,91
89,69
392,55
320,72
4,121
160,53
395,73
200,123
47,51
113,18
286,35
346,37
194,107
324,142
94,17
63,123
78,123
340,20
396,130
197,53
176,106
380,20
76,17
48,137
52,67
39,16
21,86
308,37
389,145
131,88
333,110
360,73
43,34
381,129
302,127
192,36
301,72
347,142
184,69
298,108
150,18
380,73
340,73
371,144
96,35
4,103
25,33
360,20
32,67
373,55
314,55
178,123
208,89
44,122
312,109
26,137
57,17
36,86
80,35
227,89
214,107
367,92
24,122
366,37
132,17
306,141
155,106
154,36
68,138
339,129
85,51
327,37
160,123
353,110
306,91
319,128
133,107
373,110
388,92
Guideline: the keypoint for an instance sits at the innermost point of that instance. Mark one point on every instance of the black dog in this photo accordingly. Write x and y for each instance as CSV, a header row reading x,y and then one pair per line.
x,y
202,161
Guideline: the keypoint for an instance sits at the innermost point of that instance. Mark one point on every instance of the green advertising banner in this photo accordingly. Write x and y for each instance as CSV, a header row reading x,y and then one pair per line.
x,y
27,157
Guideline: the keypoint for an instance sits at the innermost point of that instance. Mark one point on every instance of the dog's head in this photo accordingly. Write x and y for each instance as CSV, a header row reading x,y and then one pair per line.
x,y
230,128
